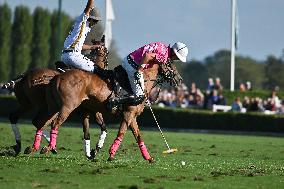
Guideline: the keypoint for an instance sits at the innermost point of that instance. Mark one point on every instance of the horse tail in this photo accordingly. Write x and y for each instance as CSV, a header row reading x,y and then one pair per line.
x,y
11,84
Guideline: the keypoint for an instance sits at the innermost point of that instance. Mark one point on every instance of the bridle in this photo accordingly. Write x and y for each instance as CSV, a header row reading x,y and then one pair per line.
x,y
102,52
167,74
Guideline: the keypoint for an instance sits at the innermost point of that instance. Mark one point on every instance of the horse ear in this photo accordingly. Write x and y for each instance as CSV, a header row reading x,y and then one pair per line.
x,y
103,39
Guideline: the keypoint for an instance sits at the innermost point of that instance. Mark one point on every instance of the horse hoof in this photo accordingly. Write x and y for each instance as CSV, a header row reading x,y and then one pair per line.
x,y
29,150
94,153
17,149
54,151
111,158
45,150
151,160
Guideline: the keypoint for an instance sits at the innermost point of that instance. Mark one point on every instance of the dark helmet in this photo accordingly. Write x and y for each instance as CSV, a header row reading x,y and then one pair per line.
x,y
95,14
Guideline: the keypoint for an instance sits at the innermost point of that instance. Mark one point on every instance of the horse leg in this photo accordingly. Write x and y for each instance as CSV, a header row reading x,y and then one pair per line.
x,y
57,122
102,137
14,117
42,119
86,130
135,131
122,130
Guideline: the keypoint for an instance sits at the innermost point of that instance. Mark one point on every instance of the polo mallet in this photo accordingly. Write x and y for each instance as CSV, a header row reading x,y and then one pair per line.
x,y
169,150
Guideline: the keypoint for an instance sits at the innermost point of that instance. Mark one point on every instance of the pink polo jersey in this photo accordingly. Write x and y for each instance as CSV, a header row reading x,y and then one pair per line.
x,y
160,49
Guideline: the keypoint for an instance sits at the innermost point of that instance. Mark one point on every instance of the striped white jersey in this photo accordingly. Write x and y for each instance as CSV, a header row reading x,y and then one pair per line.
x,y
78,33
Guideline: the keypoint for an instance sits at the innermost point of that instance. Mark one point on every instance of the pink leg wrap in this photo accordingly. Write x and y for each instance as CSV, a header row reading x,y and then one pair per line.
x,y
37,139
144,150
114,146
53,137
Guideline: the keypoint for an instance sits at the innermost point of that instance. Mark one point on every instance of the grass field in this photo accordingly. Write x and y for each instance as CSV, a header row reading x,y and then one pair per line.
x,y
211,161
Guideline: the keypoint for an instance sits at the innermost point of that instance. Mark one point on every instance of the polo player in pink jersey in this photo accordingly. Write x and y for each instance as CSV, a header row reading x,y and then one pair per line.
x,y
143,58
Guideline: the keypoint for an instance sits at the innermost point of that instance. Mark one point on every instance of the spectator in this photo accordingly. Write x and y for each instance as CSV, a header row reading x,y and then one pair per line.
x,y
281,109
210,85
242,87
246,103
222,100
276,99
218,86
237,105
248,86
213,99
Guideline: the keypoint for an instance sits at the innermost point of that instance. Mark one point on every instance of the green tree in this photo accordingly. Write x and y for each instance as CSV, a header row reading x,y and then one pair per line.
x,y
21,40
219,65
56,42
195,71
41,37
248,69
274,71
5,32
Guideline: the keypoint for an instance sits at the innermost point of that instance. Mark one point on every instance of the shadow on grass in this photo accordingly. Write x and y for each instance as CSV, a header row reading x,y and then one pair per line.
x,y
7,151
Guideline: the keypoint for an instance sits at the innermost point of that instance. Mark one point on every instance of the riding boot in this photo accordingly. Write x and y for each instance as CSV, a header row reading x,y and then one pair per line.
x,y
104,74
129,99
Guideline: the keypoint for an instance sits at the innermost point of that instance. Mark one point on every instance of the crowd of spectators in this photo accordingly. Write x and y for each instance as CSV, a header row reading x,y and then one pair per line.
x,y
193,97
256,104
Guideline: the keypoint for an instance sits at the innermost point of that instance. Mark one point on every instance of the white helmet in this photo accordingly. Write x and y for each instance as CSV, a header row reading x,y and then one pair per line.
x,y
180,50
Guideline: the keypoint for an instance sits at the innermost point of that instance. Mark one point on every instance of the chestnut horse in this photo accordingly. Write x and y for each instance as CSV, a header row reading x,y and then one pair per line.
x,y
76,87
30,92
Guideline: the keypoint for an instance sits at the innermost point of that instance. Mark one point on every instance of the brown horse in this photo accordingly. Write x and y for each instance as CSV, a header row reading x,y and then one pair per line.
x,y
76,87
30,91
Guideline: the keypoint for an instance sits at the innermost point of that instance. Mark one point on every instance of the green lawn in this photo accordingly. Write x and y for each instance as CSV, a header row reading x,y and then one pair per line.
x,y
212,161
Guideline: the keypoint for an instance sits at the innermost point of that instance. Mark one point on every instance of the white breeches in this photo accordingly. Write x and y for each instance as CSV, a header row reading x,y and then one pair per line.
x,y
78,60
137,83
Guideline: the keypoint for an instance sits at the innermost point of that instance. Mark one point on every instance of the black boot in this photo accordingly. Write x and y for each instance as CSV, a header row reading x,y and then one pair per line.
x,y
104,74
130,100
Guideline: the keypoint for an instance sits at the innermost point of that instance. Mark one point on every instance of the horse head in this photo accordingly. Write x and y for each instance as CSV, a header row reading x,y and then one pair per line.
x,y
169,73
100,55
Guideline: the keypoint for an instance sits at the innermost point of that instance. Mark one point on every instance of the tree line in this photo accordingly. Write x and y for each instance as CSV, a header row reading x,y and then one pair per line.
x,y
265,74
31,39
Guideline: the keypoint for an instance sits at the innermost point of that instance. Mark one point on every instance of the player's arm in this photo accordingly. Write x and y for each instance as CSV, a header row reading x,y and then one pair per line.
x,y
89,7
148,57
90,47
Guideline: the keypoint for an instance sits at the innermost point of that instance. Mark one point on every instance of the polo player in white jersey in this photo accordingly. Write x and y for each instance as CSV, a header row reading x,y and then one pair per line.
x,y
74,43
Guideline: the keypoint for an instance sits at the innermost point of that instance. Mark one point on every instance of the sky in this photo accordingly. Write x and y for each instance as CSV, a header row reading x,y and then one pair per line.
x,y
204,25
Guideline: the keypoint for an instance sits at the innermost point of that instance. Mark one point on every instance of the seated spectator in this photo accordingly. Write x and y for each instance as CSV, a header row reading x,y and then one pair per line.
x,y
246,103
206,100
281,109
210,85
270,105
214,97
191,101
237,105
172,100
218,86
222,100
199,101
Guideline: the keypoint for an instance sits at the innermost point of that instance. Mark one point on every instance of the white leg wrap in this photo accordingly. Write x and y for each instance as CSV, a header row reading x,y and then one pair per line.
x,y
46,135
87,147
16,132
102,139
